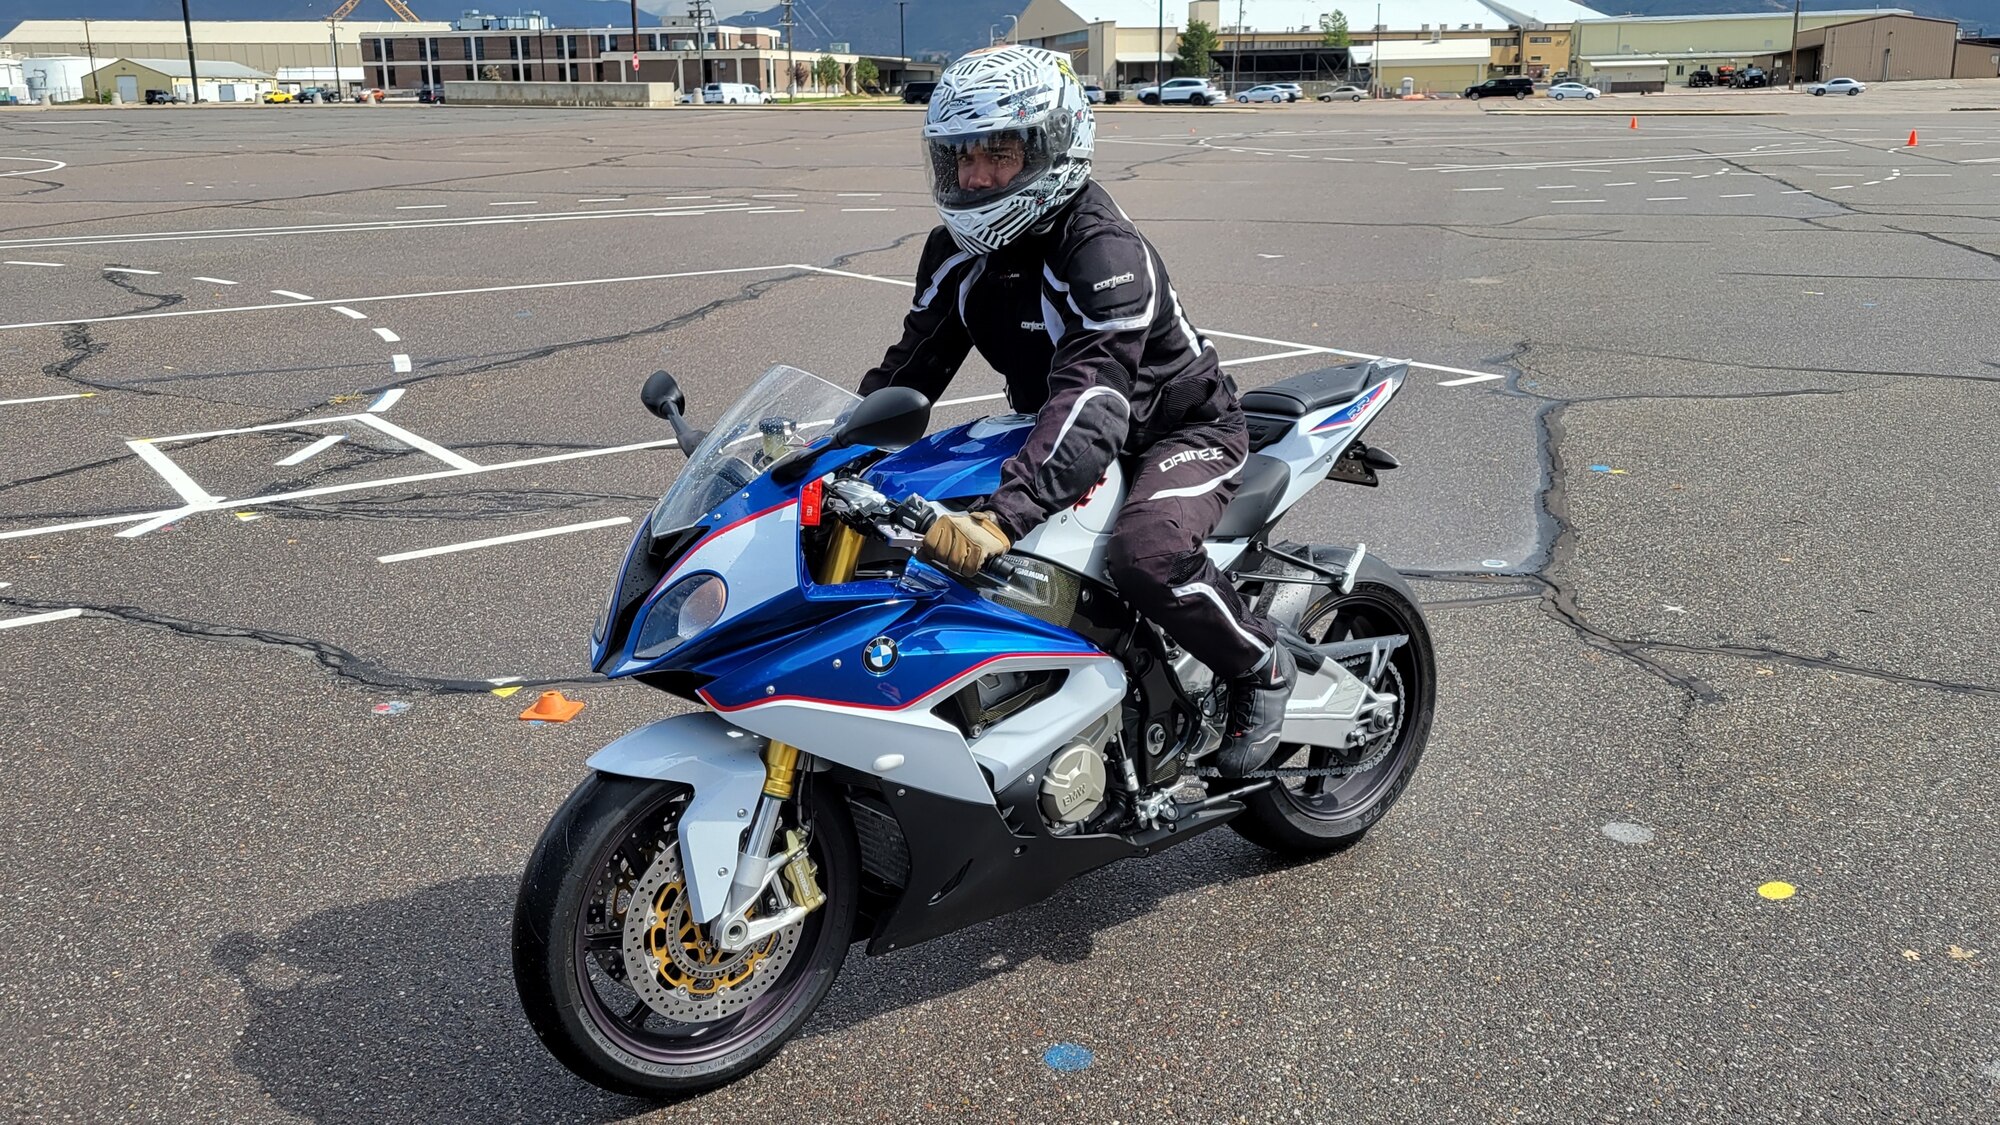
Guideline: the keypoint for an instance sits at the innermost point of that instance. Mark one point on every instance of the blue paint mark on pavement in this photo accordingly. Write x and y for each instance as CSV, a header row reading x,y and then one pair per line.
x,y
1068,1056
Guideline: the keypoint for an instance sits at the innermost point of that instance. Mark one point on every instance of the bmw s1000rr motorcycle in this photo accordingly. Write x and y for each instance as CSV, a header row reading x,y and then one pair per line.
x,y
883,751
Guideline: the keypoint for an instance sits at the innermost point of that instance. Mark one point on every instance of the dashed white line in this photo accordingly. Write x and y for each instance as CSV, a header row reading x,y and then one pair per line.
x,y
292,295
389,398
604,199
1665,198
1554,187
322,445
777,195
1797,191
1840,187
388,337
673,198
129,269
45,398
517,203
38,618
498,540
853,209
51,265
1624,183
400,363
215,280
785,210
350,313
857,195
1674,180
1480,189
1740,195
421,207
1576,201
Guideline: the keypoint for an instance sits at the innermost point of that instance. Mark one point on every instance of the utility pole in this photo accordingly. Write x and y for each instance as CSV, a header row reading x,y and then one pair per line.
x,y
791,66
902,43
635,40
1159,52
333,52
95,94
194,80
1236,48
700,11
1792,68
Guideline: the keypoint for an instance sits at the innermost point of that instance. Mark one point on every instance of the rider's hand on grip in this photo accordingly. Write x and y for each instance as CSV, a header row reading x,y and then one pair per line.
x,y
963,543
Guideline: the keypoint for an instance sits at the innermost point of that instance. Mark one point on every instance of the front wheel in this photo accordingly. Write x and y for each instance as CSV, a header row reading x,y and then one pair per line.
x,y
623,987
1557,97
1853,93
1590,97
1150,99
1198,99
1317,815
1244,98
1819,93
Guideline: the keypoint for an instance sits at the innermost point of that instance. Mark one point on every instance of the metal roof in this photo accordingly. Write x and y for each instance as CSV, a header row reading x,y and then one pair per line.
x,y
206,68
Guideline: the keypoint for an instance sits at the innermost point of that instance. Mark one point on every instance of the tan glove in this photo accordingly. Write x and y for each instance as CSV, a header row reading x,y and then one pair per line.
x,y
963,543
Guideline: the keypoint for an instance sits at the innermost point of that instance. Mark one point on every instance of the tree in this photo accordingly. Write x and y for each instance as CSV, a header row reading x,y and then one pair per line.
x,y
1333,29
867,73
801,74
1197,42
826,72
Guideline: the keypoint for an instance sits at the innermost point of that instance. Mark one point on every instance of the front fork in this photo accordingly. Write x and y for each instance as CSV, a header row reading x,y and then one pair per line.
x,y
757,869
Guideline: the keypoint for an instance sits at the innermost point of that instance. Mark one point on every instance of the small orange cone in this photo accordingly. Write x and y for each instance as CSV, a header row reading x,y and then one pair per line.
x,y
551,707
1913,139
1635,123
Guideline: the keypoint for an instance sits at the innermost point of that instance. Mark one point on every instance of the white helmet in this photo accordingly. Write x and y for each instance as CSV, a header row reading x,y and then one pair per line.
x,y
1019,93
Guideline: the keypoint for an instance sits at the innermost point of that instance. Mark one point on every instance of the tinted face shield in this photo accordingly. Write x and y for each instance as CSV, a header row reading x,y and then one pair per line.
x,y
975,169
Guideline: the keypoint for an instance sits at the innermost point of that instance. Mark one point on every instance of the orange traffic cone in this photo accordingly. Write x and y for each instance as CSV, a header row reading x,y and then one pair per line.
x,y
1635,123
551,707
1913,139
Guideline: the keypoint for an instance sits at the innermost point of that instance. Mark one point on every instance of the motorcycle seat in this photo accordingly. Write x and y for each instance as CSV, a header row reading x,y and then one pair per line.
x,y
1264,482
1300,395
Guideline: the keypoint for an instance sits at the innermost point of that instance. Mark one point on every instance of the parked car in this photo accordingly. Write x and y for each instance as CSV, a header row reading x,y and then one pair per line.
x,y
162,97
918,93
1846,86
1750,78
369,95
1514,87
1094,95
1700,78
1192,91
276,97
1264,93
313,94
1293,89
1344,94
731,93
431,95
1562,90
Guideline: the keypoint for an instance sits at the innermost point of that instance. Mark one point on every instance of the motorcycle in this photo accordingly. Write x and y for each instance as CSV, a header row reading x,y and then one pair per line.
x,y
885,752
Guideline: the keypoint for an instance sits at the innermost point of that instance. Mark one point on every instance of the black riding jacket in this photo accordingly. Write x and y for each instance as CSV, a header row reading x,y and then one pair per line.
x,y
1085,327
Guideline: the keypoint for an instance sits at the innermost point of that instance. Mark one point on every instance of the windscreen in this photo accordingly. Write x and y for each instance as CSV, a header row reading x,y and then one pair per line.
x,y
787,409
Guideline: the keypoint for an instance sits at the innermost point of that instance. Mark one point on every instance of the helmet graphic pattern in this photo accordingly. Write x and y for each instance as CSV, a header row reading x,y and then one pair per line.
x,y
1015,88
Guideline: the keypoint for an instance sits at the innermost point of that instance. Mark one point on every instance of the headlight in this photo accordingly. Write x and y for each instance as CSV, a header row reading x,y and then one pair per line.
x,y
685,611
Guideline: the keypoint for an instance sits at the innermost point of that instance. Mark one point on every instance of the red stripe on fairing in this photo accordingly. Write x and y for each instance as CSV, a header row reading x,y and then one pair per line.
x,y
950,683
713,536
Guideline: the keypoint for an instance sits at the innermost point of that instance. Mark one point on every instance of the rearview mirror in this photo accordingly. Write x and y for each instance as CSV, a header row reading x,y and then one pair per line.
x,y
891,418
662,395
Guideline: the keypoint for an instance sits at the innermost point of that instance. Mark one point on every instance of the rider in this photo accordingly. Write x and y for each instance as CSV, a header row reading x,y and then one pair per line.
x,y
1040,270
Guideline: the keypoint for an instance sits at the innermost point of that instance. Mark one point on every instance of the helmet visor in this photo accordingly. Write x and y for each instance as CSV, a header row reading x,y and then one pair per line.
x,y
972,170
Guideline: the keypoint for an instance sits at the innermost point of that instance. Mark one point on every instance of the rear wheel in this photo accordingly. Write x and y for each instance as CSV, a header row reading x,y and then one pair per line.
x,y
1150,99
1519,94
1329,814
618,981
1198,99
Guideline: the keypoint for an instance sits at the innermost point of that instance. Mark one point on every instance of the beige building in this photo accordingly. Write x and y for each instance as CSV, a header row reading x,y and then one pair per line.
x,y
220,81
1634,52
1881,49
262,45
1977,58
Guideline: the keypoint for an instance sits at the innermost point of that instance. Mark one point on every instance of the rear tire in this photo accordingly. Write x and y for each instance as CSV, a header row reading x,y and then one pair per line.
x,y
1321,816
588,1016
1819,93
1519,94
1198,99
1149,99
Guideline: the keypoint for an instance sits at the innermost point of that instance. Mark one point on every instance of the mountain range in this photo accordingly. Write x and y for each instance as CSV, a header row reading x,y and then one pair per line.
x,y
945,27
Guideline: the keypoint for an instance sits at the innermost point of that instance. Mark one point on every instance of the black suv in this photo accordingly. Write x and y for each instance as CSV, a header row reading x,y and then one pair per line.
x,y
1501,87
162,97
918,93
431,95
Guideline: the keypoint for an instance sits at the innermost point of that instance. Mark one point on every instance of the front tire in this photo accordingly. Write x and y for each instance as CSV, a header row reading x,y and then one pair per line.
x,y
1198,99
1316,816
576,898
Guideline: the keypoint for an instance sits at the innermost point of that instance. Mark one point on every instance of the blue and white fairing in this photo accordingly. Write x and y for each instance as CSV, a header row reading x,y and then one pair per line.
x,y
716,591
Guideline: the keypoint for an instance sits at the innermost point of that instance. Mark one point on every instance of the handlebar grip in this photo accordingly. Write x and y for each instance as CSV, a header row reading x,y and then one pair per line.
x,y
1002,566
916,514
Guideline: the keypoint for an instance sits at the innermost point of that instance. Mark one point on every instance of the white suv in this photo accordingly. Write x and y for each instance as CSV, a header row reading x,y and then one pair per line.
x,y
1194,91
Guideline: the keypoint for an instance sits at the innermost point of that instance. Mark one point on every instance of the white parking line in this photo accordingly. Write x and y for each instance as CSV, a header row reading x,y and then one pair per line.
x,y
604,199
517,203
857,195
853,209
129,269
215,281
45,398
421,207
38,618
1480,189
777,195
350,313
292,295
1576,201
499,540
1740,195
1624,183
1488,377
400,363
320,446
1665,198
389,398
51,265
388,337
1274,355
1551,187
176,477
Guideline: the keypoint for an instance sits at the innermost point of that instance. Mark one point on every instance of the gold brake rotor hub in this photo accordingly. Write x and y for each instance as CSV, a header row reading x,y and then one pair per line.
x,y
675,968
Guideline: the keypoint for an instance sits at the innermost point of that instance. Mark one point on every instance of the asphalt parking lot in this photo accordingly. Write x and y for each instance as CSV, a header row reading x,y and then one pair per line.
x,y
1699,482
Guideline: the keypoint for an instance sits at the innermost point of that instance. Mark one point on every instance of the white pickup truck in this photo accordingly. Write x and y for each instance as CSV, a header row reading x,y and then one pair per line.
x,y
1193,91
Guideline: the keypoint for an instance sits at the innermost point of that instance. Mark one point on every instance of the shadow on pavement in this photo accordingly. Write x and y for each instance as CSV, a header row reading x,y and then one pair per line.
x,y
403,1009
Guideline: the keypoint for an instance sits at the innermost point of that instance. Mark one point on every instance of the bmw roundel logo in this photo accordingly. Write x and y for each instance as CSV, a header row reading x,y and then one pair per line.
x,y
880,655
